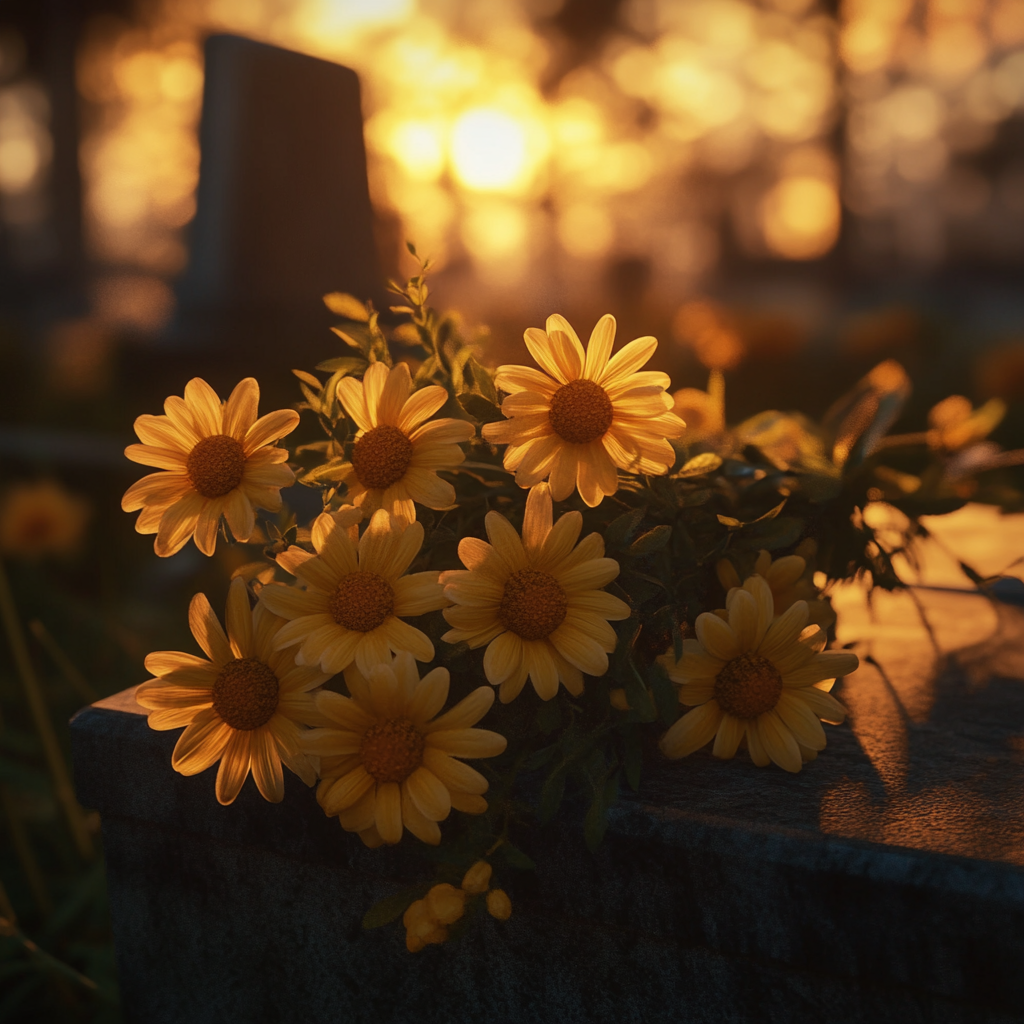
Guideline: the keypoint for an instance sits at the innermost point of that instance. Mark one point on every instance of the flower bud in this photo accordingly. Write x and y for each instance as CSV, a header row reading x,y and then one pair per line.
x,y
618,700
446,903
499,905
477,878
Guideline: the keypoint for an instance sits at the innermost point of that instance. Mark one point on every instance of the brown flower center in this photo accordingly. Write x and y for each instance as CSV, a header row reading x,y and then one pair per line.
x,y
392,751
581,412
361,601
748,686
215,465
381,457
245,693
533,605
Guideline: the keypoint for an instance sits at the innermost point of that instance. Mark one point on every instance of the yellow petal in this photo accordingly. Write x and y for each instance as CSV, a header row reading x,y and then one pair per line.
x,y
692,731
266,766
428,794
388,811
717,637
234,767
727,739
779,742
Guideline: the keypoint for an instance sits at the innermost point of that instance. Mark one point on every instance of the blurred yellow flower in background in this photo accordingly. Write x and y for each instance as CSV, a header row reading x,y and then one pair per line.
x,y
536,602
244,706
41,518
584,415
756,677
790,578
397,453
355,595
217,459
387,763
955,423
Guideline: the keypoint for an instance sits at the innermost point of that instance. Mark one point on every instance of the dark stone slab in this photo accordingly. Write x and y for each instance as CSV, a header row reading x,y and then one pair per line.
x,y
881,884
283,208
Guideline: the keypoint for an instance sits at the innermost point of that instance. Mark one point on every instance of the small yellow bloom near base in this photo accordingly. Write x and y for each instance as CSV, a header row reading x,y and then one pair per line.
x,y
243,707
584,415
216,459
535,602
389,762
478,878
499,905
427,920
399,449
757,679
355,598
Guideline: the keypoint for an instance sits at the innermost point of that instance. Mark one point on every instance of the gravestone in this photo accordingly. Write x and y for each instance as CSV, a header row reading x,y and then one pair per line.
x,y
885,882
283,210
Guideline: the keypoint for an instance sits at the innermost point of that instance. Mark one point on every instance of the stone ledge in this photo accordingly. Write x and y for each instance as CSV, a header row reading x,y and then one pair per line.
x,y
682,915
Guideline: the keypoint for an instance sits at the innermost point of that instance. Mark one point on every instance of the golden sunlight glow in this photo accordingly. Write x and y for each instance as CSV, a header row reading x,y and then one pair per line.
x,y
586,231
418,146
470,102
24,139
489,151
800,218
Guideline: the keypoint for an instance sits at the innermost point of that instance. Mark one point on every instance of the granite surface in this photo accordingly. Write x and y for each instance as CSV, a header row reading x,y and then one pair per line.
x,y
884,883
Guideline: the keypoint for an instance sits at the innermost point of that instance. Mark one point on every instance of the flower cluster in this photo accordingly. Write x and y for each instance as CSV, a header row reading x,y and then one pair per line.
x,y
641,575
427,920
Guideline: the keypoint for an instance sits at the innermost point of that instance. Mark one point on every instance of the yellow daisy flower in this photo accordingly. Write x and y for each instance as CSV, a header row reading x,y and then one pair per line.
x,y
242,707
355,595
756,677
535,602
586,413
217,460
388,763
397,454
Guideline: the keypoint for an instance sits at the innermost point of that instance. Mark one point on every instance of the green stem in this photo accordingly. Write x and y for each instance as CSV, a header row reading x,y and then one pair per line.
x,y
44,726
6,907
47,960
23,849
67,667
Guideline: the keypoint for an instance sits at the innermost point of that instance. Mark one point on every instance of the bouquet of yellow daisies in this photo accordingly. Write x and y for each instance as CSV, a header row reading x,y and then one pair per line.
x,y
525,584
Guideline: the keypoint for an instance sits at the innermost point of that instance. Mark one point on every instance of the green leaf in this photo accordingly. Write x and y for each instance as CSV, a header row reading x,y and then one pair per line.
x,y
392,907
640,704
484,380
551,794
326,473
779,533
347,306
515,857
737,524
312,381
349,340
653,540
549,716
479,407
699,465
620,531
665,697
595,824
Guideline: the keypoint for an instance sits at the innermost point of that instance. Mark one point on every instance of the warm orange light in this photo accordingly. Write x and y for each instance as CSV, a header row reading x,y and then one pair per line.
x,y
489,150
800,218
